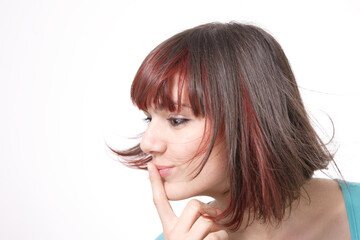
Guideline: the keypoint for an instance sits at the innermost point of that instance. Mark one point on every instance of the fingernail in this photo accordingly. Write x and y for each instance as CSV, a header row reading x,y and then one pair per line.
x,y
218,211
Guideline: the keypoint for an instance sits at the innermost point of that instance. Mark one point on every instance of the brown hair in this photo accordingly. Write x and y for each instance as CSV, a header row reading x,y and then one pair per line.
x,y
238,76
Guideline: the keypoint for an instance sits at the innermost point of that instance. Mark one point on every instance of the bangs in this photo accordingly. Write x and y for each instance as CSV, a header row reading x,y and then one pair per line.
x,y
165,66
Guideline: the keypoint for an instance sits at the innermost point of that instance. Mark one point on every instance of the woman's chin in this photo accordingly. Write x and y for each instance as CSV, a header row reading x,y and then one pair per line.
x,y
176,191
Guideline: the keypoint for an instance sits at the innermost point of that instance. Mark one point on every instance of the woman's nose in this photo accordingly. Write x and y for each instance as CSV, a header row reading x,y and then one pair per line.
x,y
153,141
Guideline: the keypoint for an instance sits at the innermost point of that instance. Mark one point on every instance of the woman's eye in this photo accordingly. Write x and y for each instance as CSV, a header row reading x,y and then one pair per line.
x,y
147,120
177,121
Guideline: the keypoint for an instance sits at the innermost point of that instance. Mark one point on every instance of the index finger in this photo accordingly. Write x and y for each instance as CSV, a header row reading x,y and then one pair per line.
x,y
163,207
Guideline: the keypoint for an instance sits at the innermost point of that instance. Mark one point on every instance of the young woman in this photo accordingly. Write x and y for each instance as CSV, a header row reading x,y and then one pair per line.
x,y
226,120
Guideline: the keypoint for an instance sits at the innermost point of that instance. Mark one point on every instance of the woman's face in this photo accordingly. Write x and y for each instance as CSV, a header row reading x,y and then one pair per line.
x,y
173,139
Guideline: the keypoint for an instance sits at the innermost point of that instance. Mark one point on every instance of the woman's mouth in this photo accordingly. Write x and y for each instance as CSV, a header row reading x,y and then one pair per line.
x,y
164,171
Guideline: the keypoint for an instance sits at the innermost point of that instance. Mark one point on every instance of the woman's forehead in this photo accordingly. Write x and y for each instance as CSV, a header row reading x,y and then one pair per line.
x,y
179,91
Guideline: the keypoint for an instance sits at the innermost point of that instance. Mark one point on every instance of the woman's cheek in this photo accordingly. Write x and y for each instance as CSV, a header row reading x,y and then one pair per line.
x,y
184,151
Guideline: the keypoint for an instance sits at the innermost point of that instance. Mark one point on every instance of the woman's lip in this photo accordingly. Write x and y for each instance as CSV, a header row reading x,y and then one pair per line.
x,y
159,167
164,171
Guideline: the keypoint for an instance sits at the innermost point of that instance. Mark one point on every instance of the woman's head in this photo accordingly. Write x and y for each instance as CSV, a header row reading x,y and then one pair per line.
x,y
236,79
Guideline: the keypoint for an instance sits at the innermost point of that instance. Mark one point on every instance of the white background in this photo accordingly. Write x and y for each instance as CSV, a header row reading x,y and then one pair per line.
x,y
65,73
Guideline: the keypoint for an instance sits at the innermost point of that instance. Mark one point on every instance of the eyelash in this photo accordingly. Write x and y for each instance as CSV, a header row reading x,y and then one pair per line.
x,y
177,121
147,119
173,121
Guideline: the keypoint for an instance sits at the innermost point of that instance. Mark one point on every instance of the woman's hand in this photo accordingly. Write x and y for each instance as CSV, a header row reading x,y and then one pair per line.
x,y
193,223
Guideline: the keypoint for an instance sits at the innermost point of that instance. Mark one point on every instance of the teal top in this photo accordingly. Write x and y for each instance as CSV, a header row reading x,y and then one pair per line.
x,y
351,192
160,237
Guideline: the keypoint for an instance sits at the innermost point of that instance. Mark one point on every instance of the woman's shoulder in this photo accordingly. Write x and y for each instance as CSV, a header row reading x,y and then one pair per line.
x,y
323,210
331,191
342,198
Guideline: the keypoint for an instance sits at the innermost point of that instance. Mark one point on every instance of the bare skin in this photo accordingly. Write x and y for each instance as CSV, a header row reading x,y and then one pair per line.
x,y
324,217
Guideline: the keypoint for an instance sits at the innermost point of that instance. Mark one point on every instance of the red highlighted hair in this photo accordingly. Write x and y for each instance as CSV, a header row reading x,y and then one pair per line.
x,y
238,76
